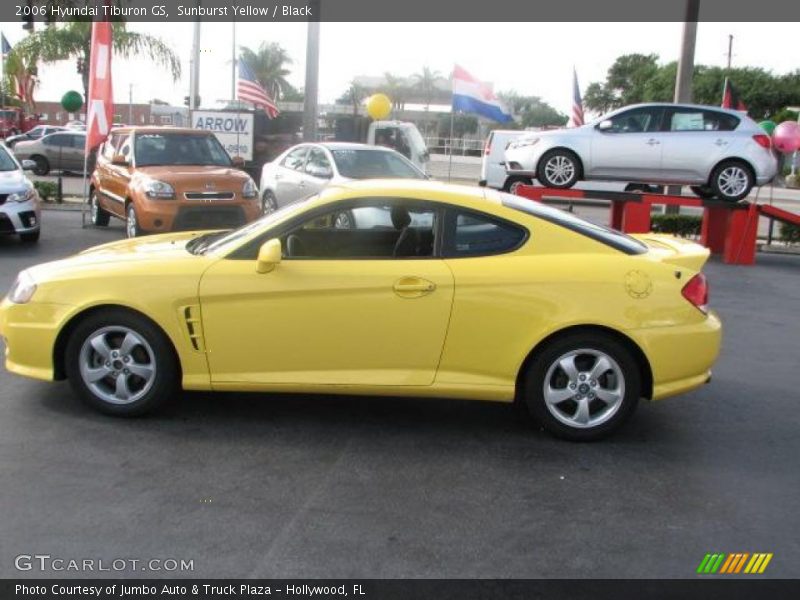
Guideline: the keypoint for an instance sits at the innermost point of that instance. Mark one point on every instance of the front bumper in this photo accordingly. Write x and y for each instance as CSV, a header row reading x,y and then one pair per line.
x,y
681,356
29,332
160,216
19,217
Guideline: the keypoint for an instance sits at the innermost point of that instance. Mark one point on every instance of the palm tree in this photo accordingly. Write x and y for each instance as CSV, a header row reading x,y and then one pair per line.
x,y
268,64
426,84
19,81
395,89
355,95
74,40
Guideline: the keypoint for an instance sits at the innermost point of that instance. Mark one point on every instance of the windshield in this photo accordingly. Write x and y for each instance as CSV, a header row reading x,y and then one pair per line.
x,y
369,164
606,235
6,162
153,149
236,235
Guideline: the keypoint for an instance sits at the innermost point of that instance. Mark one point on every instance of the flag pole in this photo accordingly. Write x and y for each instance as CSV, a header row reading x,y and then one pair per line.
x,y
233,86
450,161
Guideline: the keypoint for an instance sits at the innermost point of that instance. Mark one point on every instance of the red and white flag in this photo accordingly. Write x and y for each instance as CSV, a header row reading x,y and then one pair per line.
x,y
576,120
100,104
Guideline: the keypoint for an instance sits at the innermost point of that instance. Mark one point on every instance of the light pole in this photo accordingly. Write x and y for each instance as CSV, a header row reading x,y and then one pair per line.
x,y
312,75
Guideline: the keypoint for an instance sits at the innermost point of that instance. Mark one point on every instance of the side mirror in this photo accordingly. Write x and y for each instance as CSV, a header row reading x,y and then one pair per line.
x,y
120,160
28,165
320,172
269,256
238,162
605,125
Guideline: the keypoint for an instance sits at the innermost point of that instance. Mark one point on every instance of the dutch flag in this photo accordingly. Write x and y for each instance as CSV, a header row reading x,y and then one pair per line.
x,y
473,96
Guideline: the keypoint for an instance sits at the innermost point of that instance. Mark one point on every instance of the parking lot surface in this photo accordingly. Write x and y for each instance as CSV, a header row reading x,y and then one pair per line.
x,y
256,485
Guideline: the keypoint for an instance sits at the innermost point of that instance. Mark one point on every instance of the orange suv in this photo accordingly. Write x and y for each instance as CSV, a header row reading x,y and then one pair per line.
x,y
161,179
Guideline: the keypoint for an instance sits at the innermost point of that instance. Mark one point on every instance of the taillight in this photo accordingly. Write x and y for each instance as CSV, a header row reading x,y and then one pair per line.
x,y
488,145
696,292
763,140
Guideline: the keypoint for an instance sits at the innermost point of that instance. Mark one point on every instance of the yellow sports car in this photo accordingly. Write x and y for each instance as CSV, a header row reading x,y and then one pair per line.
x,y
380,288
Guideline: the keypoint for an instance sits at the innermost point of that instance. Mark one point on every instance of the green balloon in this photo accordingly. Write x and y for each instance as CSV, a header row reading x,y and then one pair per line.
x,y
72,101
768,126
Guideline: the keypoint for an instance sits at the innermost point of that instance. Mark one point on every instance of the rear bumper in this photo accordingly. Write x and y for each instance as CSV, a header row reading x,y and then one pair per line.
x,y
681,356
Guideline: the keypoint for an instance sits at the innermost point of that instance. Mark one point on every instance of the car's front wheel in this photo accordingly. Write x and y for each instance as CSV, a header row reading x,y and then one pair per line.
x,y
559,168
512,183
121,363
732,180
132,228
269,203
42,166
582,387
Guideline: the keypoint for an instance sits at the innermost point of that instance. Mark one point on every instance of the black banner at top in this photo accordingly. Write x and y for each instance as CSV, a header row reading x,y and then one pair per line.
x,y
396,10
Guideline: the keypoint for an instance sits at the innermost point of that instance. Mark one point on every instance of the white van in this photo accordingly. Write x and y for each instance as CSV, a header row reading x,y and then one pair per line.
x,y
493,170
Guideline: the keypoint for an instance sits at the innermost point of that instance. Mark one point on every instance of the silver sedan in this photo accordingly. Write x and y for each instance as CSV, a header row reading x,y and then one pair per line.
x,y
720,153
305,169
19,201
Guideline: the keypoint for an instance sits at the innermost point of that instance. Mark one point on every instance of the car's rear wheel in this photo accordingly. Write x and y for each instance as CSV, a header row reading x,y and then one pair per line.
x,y
732,180
99,216
513,183
42,165
582,387
120,363
344,220
132,228
269,203
559,169
703,191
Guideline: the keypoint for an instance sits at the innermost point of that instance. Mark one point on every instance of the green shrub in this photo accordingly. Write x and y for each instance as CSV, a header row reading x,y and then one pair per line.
x,y
790,233
682,225
47,190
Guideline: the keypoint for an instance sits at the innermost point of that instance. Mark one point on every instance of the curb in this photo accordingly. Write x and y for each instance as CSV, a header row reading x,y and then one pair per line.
x,y
64,206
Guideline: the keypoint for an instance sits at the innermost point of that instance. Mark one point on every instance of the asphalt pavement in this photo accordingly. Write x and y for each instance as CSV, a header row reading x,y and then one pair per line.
x,y
319,486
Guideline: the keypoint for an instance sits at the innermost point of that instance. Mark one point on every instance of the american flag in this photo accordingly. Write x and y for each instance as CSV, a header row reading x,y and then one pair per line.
x,y
248,90
577,104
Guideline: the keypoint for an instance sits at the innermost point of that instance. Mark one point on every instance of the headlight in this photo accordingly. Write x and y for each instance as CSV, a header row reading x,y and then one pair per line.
x,y
249,190
159,189
524,143
22,290
23,196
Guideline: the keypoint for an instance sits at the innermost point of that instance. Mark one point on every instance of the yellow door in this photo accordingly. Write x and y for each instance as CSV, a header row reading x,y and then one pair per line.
x,y
346,322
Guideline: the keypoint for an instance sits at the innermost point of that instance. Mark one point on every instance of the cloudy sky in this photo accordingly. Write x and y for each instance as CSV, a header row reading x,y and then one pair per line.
x,y
531,58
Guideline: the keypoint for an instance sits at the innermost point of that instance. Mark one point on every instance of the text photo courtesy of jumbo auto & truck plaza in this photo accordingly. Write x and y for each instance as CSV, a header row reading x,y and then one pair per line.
x,y
390,300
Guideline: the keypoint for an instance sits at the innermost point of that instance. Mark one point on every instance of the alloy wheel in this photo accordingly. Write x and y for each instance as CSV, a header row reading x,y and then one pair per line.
x,y
559,170
733,180
131,225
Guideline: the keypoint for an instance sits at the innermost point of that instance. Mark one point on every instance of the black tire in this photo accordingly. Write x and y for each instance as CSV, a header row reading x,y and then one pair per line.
x,y
42,165
269,203
537,371
30,238
703,191
132,228
514,182
644,188
572,163
164,382
742,172
98,215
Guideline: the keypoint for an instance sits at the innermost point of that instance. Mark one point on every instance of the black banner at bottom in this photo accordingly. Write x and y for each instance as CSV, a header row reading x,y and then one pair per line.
x,y
398,589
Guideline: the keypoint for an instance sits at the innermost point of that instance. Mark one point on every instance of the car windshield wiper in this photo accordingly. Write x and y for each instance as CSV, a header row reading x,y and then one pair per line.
x,y
199,244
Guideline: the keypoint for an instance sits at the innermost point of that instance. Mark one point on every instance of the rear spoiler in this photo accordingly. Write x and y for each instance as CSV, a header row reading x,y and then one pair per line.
x,y
674,250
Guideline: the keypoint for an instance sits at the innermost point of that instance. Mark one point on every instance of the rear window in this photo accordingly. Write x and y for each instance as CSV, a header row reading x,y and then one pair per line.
x,y
610,237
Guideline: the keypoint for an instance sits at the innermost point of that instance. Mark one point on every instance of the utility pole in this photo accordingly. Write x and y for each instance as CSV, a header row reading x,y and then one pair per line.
x,y
312,75
194,67
130,104
730,50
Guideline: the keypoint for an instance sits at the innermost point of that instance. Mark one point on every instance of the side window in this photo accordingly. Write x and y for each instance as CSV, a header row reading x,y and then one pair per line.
x,y
296,158
78,141
378,230
318,164
125,148
688,119
111,145
638,120
59,139
475,234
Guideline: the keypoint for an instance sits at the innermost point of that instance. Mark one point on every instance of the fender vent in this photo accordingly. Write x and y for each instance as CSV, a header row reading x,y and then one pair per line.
x,y
194,326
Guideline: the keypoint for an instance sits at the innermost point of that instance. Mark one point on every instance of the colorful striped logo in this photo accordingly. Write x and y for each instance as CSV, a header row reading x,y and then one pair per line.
x,y
737,562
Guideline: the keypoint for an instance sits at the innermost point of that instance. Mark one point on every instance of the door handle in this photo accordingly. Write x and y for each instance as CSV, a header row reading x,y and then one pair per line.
x,y
302,183
278,176
413,287
721,143
653,142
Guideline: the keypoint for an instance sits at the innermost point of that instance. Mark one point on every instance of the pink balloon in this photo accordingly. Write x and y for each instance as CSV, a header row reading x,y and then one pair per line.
x,y
786,137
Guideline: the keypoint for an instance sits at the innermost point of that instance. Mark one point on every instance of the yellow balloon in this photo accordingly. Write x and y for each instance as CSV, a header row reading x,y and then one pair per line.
x,y
379,106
